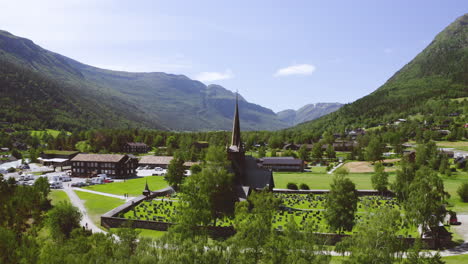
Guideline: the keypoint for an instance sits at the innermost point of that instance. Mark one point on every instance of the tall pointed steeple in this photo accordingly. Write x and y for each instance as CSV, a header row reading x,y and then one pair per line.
x,y
236,137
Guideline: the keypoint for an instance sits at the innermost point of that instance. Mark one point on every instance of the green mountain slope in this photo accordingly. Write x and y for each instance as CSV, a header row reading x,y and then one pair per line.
x,y
440,71
154,100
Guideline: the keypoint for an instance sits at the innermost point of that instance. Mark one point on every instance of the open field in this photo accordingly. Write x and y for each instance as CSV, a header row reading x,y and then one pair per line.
x,y
460,145
147,233
134,187
97,205
322,181
366,166
40,133
57,196
451,185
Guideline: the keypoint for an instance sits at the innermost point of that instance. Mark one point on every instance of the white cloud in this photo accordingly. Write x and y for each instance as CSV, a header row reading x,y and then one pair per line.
x,y
388,50
214,76
297,69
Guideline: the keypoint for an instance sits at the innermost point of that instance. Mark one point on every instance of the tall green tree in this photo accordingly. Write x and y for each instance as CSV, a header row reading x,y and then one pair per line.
x,y
374,150
380,178
375,240
341,204
175,172
62,219
426,200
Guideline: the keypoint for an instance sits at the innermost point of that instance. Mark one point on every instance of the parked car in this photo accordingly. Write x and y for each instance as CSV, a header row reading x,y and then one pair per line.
x,y
56,185
79,184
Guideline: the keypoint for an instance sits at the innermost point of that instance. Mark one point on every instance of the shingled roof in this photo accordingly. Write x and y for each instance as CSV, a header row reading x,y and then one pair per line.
x,y
98,157
154,160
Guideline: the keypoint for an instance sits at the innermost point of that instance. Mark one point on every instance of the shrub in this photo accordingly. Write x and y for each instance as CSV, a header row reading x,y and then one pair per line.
x,y
292,186
463,192
304,186
10,170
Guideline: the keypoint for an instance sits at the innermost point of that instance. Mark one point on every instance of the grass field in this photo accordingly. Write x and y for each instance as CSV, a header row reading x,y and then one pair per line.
x,y
39,133
363,181
322,180
460,145
57,196
146,233
97,205
134,187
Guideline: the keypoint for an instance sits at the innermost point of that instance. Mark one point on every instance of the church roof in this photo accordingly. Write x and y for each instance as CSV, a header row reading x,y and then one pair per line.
x,y
256,177
236,136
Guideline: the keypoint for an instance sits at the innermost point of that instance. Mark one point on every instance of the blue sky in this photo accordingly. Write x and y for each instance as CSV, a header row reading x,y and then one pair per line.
x,y
279,54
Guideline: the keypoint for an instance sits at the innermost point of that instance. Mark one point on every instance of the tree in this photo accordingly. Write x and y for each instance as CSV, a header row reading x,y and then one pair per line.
x,y
207,195
462,191
15,153
341,204
374,150
317,151
261,152
303,153
254,225
379,178
175,172
62,219
376,240
331,154
425,203
403,179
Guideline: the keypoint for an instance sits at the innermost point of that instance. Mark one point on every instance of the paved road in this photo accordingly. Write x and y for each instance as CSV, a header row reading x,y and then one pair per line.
x,y
104,194
85,221
463,231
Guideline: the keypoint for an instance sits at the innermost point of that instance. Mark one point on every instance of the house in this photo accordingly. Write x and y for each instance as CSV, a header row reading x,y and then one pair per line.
x,y
282,164
56,158
248,175
161,161
114,165
344,145
201,144
20,145
135,147
291,146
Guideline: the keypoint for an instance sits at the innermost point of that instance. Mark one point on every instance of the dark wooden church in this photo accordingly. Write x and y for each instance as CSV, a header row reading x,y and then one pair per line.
x,y
248,176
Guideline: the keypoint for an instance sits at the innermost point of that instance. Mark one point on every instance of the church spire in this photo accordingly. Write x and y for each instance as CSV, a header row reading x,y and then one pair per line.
x,y
236,138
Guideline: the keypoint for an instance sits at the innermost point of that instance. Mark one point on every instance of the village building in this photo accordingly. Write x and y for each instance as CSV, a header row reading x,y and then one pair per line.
x,y
248,175
282,163
161,161
56,158
291,146
113,165
135,147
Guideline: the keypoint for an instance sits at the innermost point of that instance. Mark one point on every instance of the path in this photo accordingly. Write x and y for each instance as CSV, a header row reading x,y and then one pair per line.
x,y
336,167
463,231
104,194
85,221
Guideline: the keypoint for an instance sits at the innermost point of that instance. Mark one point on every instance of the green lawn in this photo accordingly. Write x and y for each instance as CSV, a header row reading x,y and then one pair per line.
x,y
97,205
451,185
39,133
460,259
57,196
321,180
146,233
461,145
134,187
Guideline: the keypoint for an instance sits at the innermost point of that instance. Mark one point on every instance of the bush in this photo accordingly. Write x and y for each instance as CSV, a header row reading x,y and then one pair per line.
x,y
10,170
463,192
304,186
292,186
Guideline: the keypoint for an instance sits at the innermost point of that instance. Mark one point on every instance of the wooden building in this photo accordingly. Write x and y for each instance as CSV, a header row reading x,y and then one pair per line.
x,y
161,161
135,147
282,164
114,165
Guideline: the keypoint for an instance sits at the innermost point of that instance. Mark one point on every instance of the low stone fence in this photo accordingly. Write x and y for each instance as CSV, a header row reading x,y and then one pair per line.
x,y
112,219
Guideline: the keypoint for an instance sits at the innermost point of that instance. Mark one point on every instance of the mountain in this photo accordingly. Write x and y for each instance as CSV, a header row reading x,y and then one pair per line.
x,y
307,113
439,72
114,98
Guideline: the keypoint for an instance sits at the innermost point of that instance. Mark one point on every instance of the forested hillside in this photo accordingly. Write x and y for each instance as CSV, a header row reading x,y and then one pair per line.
x,y
152,100
439,72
